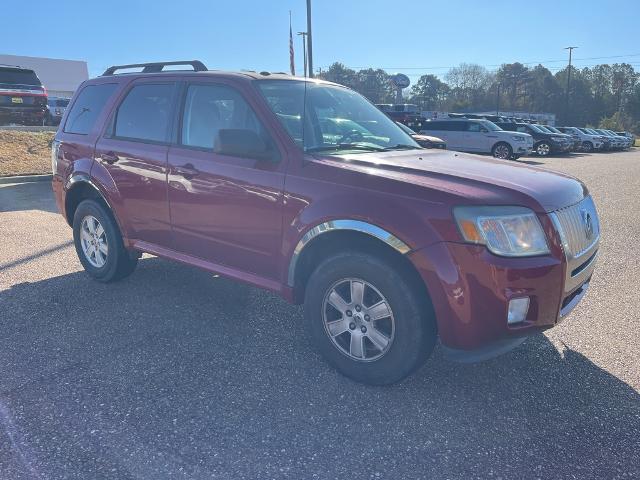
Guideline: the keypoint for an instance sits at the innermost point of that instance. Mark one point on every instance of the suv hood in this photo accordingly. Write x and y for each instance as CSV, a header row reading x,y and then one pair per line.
x,y
475,177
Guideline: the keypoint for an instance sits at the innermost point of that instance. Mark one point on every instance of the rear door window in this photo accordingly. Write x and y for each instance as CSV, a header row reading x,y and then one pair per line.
x,y
86,108
145,113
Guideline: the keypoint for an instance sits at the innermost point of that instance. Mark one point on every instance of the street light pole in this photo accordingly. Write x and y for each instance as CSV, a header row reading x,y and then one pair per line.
x,y
309,41
304,50
566,111
498,101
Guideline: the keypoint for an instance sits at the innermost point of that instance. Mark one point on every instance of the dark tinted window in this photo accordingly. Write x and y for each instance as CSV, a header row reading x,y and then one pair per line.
x,y
145,112
211,108
87,107
457,126
17,76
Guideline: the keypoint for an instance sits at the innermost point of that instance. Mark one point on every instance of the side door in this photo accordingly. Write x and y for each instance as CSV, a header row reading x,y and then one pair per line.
x,y
133,150
479,137
226,181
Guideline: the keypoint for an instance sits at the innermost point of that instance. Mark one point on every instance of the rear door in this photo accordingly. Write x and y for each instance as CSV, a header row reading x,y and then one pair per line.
x,y
133,150
225,209
476,138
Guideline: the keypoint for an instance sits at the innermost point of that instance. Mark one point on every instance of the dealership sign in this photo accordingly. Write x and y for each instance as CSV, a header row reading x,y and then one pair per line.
x,y
400,80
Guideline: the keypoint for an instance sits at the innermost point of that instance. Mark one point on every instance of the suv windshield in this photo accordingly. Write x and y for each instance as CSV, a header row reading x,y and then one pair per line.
x,y
323,117
18,76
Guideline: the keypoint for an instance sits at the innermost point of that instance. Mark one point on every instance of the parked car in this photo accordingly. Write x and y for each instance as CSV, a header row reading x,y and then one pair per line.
x,y
625,142
405,113
606,141
389,246
55,109
23,99
617,143
544,143
588,142
629,135
575,139
479,136
426,141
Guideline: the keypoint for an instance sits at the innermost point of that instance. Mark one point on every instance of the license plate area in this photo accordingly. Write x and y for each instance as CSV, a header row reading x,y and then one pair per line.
x,y
16,100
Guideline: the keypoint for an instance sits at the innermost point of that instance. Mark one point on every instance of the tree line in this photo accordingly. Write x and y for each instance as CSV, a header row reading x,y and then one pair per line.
x,y
606,95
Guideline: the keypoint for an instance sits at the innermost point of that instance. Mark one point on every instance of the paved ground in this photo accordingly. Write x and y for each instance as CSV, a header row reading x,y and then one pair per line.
x,y
174,374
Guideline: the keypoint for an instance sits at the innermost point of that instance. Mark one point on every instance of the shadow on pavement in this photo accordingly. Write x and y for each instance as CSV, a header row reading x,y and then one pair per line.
x,y
174,373
17,197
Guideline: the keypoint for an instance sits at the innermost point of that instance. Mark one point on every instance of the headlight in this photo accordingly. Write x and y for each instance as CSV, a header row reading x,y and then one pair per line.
x,y
506,231
518,139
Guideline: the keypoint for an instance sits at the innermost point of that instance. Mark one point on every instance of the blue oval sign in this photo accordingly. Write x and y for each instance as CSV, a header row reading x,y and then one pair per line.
x,y
400,80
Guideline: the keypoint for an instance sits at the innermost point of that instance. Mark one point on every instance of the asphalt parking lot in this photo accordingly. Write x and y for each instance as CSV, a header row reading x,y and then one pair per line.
x,y
175,374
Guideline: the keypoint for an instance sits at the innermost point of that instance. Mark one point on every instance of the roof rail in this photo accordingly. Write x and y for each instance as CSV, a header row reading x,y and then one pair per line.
x,y
156,67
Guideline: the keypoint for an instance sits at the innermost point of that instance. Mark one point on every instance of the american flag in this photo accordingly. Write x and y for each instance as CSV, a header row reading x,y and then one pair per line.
x,y
292,65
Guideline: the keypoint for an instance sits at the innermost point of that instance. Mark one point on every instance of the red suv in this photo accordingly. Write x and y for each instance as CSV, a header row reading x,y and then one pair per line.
x,y
389,246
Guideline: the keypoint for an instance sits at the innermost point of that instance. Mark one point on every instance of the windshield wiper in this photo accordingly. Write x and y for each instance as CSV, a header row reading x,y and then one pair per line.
x,y
402,146
346,146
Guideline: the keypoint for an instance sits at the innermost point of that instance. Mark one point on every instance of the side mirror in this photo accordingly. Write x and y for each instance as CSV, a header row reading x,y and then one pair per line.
x,y
238,142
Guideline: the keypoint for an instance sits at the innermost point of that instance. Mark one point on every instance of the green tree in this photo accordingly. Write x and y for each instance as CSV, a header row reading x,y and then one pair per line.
x,y
429,92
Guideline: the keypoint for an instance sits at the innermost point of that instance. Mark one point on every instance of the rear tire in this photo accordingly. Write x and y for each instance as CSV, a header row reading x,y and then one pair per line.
x,y
344,296
502,150
99,243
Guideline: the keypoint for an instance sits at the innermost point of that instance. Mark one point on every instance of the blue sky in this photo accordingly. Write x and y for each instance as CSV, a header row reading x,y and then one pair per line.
x,y
410,36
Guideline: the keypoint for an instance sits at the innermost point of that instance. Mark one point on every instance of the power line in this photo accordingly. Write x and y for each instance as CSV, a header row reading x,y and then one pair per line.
x,y
491,65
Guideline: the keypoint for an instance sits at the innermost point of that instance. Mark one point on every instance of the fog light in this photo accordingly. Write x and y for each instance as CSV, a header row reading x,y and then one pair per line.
x,y
518,308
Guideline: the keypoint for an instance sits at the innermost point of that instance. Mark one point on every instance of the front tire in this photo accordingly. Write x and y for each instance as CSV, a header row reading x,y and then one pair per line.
x,y
502,150
99,243
368,319
543,149
587,147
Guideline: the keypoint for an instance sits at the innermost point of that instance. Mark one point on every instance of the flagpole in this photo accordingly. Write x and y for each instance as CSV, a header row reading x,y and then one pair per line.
x,y
292,65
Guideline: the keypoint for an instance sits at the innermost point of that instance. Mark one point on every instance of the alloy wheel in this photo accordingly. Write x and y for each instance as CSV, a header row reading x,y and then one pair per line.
x,y
93,239
358,319
502,152
543,149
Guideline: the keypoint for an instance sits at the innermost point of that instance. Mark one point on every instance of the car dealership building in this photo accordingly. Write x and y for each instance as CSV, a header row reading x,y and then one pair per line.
x,y
60,77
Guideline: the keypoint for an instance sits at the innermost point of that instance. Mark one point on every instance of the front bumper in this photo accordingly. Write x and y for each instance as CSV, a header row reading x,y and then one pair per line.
x,y
471,288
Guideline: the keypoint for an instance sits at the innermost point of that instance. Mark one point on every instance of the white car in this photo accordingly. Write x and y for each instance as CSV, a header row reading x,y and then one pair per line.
x,y
479,136
589,142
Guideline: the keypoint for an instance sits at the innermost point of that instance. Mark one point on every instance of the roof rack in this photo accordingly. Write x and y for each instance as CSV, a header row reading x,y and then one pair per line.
x,y
156,67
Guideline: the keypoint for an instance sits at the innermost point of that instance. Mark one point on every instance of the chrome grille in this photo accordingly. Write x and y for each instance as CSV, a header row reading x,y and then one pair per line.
x,y
579,227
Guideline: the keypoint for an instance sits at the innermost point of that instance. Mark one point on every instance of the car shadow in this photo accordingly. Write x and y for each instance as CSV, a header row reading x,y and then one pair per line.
x,y
175,372
17,197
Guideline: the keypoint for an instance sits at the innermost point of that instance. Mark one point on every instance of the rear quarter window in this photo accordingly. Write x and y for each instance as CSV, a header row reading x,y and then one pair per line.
x,y
86,108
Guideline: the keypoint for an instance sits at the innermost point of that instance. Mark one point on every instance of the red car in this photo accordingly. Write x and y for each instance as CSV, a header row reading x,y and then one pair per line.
x,y
389,246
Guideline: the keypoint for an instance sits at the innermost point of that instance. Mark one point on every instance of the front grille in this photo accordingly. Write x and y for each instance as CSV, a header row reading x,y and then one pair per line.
x,y
579,227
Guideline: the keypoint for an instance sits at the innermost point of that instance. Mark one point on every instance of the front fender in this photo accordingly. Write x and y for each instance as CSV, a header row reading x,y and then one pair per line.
x,y
394,220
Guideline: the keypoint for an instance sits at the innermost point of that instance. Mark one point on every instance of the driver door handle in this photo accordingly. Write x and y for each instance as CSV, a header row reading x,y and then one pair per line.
x,y
187,170
110,157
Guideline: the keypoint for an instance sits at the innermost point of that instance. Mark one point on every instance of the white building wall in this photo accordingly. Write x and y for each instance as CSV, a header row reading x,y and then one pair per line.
x,y
60,77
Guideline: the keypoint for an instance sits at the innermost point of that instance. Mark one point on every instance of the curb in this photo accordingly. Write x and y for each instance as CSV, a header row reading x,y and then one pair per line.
x,y
26,179
33,128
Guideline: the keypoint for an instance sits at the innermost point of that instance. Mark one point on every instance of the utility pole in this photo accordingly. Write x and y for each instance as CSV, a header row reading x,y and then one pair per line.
x,y
566,111
304,50
309,41
498,101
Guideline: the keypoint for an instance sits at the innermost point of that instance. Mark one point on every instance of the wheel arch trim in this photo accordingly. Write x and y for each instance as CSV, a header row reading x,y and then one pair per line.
x,y
83,178
347,225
